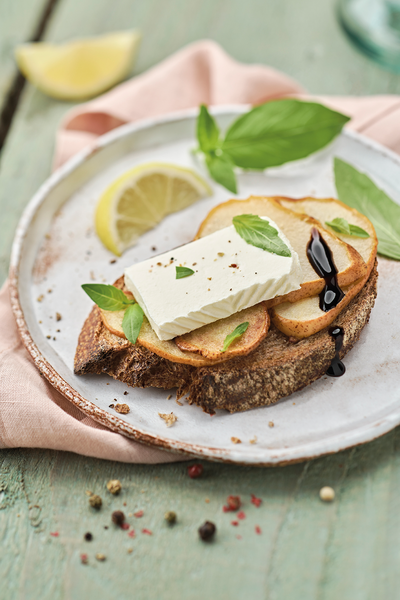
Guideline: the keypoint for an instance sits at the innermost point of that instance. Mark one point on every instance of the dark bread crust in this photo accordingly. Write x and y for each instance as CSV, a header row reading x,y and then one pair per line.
x,y
276,368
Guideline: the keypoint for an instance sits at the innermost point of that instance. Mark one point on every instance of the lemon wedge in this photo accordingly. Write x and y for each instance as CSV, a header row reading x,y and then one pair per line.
x,y
79,69
141,198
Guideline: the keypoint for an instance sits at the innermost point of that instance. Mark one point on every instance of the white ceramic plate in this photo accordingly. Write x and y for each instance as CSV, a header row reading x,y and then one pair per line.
x,y
56,249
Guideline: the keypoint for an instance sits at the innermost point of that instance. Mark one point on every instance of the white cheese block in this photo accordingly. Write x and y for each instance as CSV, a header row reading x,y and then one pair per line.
x,y
229,275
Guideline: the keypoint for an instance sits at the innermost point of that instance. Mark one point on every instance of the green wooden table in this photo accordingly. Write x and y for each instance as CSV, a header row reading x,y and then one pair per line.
x,y
307,549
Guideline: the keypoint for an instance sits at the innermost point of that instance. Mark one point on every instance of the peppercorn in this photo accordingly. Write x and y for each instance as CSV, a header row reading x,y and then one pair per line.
x,y
88,536
100,557
234,503
95,501
114,486
118,517
195,471
170,517
207,531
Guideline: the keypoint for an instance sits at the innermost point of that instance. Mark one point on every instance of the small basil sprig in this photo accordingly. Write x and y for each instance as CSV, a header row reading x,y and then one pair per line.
x,y
358,191
268,135
340,225
182,272
258,232
108,297
236,333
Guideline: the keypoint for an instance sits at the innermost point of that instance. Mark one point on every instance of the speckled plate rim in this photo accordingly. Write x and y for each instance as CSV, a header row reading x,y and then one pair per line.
x,y
277,457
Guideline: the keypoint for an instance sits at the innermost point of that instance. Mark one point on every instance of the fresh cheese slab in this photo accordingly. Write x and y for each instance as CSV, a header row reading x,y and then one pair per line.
x,y
229,275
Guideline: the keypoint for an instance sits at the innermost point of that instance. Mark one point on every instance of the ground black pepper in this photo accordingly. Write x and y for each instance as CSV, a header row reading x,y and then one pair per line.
x,y
88,537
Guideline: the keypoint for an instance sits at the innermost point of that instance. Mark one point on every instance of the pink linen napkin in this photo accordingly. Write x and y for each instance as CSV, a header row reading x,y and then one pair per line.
x,y
32,413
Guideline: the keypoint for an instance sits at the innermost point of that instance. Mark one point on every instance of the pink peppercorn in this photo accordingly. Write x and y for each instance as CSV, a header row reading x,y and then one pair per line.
x,y
195,471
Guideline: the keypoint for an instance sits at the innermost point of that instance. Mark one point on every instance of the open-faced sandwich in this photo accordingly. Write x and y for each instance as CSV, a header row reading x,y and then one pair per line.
x,y
270,295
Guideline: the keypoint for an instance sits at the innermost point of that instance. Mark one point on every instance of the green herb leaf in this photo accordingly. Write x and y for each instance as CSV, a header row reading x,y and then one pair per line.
x,y
258,232
280,131
182,272
340,225
107,297
221,170
132,322
358,191
207,130
236,333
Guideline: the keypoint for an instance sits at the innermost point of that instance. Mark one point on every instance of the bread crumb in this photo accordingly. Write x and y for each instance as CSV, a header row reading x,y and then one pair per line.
x,y
58,316
236,440
123,409
221,254
169,397
177,401
253,440
100,557
271,424
40,298
168,418
327,494
92,276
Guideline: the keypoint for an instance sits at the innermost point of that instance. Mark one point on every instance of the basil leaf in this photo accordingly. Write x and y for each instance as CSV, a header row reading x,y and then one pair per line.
x,y
221,170
236,333
340,225
132,322
107,297
182,272
280,131
358,231
358,191
258,232
207,130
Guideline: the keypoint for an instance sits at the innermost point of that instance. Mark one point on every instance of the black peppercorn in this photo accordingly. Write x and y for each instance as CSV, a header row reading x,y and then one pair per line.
x,y
207,531
118,517
88,536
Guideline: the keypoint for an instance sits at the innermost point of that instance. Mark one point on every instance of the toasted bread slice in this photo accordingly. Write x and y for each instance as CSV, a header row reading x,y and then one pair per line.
x,y
328,209
275,369
209,340
203,346
297,227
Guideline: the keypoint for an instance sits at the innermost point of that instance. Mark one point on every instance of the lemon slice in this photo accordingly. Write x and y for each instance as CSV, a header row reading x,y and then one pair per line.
x,y
81,68
141,198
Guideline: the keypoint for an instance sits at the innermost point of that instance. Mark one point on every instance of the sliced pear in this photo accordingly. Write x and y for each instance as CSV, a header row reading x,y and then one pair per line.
x,y
304,318
328,209
209,340
297,227
257,317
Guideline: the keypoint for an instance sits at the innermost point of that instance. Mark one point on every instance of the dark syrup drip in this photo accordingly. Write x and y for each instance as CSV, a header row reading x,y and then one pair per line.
x,y
337,368
321,260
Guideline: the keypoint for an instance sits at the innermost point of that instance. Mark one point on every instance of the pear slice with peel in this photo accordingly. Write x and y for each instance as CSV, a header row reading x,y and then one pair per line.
x,y
209,340
328,209
304,318
203,346
297,227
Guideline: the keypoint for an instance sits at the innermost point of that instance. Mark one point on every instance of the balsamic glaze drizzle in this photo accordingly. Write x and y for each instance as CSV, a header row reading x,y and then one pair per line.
x,y
337,368
321,260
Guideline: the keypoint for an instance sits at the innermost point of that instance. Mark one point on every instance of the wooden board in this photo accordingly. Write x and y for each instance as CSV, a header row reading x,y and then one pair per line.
x,y
348,549
18,23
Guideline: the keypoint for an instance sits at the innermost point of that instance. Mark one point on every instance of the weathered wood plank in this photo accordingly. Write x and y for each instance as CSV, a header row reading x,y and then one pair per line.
x,y
308,549
18,22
